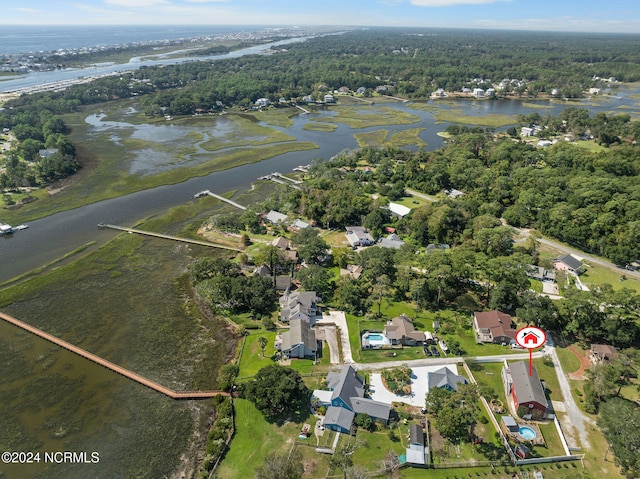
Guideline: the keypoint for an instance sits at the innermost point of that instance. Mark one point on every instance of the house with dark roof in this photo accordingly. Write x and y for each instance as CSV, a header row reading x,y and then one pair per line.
x,y
392,241
539,273
494,327
526,390
417,453
347,399
567,262
431,247
400,330
300,305
445,378
300,341
602,353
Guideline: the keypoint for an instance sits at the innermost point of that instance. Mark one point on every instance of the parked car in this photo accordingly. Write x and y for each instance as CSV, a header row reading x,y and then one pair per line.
x,y
443,346
426,351
435,351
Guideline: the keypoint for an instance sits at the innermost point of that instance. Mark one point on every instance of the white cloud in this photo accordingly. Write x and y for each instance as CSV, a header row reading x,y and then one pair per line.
x,y
450,3
136,3
565,23
32,11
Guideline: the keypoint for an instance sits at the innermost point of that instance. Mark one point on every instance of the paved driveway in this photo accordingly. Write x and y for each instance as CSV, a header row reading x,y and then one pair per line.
x,y
340,320
419,386
331,338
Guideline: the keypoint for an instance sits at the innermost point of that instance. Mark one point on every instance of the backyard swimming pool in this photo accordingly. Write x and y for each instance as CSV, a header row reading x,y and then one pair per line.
x,y
374,340
527,433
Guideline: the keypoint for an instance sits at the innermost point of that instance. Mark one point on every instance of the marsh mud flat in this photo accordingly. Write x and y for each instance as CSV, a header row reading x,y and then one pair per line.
x,y
52,237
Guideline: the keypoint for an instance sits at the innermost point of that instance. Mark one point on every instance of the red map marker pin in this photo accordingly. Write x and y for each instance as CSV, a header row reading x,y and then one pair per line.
x,y
531,338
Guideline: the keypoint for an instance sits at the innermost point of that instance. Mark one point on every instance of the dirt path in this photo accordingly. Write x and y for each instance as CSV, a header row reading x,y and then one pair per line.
x,y
584,364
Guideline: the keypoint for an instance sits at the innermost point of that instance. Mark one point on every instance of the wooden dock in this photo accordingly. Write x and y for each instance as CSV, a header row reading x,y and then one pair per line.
x,y
221,198
109,365
279,178
169,237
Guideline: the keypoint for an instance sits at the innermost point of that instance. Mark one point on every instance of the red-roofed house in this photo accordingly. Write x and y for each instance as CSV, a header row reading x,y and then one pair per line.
x,y
494,327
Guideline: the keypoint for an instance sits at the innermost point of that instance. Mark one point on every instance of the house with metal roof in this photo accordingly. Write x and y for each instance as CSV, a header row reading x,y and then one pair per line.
x,y
539,273
417,453
347,400
399,210
275,217
300,341
445,378
567,262
526,390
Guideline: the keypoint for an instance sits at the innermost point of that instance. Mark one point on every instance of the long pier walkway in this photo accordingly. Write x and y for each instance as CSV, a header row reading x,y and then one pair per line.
x,y
221,198
109,365
169,237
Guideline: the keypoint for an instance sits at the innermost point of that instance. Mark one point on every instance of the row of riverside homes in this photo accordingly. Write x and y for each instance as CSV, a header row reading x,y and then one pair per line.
x,y
345,398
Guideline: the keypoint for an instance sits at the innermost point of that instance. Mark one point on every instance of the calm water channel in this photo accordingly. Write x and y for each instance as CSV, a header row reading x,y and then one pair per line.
x,y
50,238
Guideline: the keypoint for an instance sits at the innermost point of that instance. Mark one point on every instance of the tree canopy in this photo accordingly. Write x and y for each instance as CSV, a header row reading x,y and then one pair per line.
x,y
277,391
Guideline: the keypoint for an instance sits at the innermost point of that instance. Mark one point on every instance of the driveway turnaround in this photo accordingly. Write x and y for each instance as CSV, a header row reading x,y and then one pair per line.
x,y
419,386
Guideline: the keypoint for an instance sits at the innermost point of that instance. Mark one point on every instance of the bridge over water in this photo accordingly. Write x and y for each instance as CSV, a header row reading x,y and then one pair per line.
x,y
109,365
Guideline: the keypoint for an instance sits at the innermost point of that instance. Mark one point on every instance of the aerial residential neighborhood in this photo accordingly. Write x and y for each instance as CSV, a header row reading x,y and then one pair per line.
x,y
315,251
380,372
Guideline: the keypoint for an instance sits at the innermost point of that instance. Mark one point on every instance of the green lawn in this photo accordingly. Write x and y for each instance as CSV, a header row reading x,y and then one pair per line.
x,y
596,274
412,202
423,320
536,285
252,361
378,444
255,438
570,362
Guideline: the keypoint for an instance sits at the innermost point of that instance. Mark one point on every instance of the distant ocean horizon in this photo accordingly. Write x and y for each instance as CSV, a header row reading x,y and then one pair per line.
x,y
16,39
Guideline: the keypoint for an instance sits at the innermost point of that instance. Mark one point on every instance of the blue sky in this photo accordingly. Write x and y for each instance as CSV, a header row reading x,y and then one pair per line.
x,y
560,15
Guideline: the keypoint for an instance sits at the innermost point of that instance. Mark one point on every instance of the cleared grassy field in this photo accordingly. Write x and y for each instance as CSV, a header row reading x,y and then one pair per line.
x,y
255,438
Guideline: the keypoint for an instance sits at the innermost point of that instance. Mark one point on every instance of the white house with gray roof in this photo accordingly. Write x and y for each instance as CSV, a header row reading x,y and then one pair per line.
x,y
299,305
358,236
417,453
300,341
